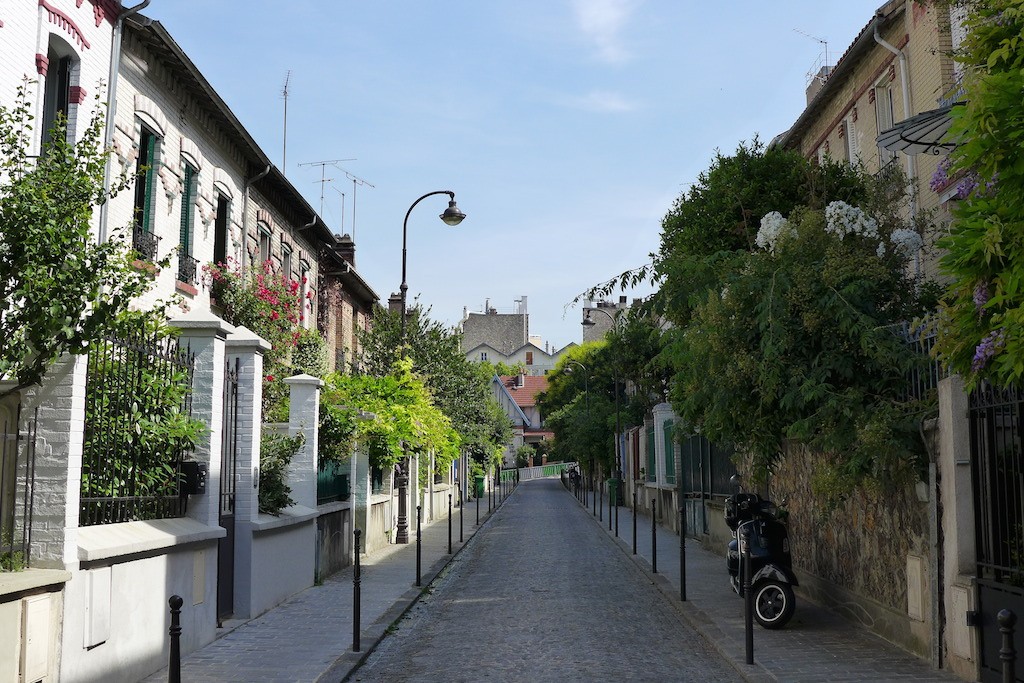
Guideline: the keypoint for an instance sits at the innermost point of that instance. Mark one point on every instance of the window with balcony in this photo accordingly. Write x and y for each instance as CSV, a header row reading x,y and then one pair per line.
x,y
186,263
220,230
143,240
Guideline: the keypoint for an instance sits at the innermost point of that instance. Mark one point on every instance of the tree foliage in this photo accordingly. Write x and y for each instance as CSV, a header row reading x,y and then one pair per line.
x,y
460,387
61,289
981,328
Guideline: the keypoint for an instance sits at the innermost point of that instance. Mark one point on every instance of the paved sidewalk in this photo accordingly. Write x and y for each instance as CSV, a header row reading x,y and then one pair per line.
x,y
308,637
817,645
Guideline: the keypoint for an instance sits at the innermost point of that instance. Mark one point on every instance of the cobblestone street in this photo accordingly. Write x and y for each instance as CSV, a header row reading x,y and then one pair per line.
x,y
544,595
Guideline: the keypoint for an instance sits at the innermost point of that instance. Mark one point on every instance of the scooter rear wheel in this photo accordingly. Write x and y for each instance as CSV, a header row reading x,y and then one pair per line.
x,y
774,604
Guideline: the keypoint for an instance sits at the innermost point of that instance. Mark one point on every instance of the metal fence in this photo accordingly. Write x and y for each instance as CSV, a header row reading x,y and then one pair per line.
x,y
130,469
332,482
17,487
923,378
998,471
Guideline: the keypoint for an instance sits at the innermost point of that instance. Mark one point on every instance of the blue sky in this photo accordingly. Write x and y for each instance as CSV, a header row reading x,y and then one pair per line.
x,y
566,128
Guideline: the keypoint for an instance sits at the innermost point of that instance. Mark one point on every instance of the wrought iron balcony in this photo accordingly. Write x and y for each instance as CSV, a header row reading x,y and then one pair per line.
x,y
145,244
187,269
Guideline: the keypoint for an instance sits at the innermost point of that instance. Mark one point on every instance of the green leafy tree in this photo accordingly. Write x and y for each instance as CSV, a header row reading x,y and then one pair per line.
x,y
981,327
61,289
460,387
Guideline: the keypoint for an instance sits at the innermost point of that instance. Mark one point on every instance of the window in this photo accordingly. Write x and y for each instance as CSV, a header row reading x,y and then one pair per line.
x,y
187,264
529,357
220,230
56,93
264,243
307,305
884,118
848,139
144,241
483,355
286,261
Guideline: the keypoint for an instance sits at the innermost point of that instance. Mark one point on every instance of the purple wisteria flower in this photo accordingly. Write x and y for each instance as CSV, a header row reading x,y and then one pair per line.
x,y
981,297
990,345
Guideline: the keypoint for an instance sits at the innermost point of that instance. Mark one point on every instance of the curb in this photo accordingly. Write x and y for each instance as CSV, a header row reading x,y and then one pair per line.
x,y
719,641
344,666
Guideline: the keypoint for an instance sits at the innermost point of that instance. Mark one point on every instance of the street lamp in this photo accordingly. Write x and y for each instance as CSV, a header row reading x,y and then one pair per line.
x,y
451,216
586,392
589,322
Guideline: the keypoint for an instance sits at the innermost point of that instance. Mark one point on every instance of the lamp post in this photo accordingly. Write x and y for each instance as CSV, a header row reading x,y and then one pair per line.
x,y
451,216
588,322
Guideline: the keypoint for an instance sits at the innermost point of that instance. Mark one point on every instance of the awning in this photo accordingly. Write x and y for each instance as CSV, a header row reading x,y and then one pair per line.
x,y
922,133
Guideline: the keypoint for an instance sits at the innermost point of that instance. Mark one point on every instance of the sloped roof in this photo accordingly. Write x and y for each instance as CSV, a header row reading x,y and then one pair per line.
x,y
524,396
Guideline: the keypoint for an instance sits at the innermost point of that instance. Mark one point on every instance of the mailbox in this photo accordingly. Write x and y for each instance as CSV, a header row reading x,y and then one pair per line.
x,y
193,477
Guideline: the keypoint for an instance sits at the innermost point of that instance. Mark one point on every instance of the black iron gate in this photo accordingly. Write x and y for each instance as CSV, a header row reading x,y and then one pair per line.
x,y
704,472
17,487
228,477
997,465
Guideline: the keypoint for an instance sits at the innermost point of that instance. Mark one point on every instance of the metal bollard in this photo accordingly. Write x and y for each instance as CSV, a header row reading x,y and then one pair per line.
x,y
478,510
174,665
609,505
654,535
356,591
462,517
449,524
682,553
617,509
748,593
1007,619
419,537
634,521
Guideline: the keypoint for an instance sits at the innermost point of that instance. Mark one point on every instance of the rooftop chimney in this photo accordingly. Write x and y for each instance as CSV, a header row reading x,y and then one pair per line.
x,y
346,248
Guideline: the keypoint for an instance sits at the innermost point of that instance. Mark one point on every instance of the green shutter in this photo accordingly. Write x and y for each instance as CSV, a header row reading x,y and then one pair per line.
x,y
670,453
187,211
150,162
652,458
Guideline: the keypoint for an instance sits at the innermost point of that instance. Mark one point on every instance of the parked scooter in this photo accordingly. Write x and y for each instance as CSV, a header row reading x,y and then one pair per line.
x,y
771,566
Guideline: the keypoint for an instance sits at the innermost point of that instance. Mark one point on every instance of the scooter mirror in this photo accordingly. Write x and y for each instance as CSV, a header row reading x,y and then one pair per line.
x,y
735,481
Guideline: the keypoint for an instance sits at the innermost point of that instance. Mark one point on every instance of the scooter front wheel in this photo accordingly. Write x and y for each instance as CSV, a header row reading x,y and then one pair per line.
x,y
774,604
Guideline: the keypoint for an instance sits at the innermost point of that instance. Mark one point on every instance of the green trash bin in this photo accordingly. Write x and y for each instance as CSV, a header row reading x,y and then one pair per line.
x,y
613,490
479,490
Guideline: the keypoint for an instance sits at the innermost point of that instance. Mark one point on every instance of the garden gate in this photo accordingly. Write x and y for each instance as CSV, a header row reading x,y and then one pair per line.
x,y
228,477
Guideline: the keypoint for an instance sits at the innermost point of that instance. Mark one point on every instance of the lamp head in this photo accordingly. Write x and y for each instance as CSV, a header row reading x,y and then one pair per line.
x,y
452,215
587,322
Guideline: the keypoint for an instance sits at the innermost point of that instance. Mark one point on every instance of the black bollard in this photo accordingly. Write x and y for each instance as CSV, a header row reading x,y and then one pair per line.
x,y
1007,619
478,510
748,593
174,665
618,483
462,517
356,596
449,524
634,521
654,535
609,505
682,553
419,538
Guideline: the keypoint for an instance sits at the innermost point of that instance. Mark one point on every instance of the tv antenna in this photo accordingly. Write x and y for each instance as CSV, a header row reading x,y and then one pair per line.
x,y
284,144
356,181
814,72
342,232
323,175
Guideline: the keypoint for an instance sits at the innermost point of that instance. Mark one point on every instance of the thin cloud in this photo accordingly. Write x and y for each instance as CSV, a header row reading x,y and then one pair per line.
x,y
601,21
601,101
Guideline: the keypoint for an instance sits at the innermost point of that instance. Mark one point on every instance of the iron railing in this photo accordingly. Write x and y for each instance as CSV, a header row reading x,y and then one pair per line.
x,y
17,488
187,267
998,470
145,243
130,470
923,378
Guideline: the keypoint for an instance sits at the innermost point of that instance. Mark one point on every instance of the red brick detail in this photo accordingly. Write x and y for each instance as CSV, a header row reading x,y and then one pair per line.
x,y
841,130
65,22
42,64
871,96
76,94
892,72
855,112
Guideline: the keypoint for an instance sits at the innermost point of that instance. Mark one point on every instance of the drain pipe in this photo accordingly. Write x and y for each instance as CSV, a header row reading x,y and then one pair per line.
x,y
108,129
245,213
907,113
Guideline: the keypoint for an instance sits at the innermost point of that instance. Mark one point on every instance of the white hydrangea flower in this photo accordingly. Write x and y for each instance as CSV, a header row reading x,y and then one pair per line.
x,y
841,220
906,242
773,227
880,252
